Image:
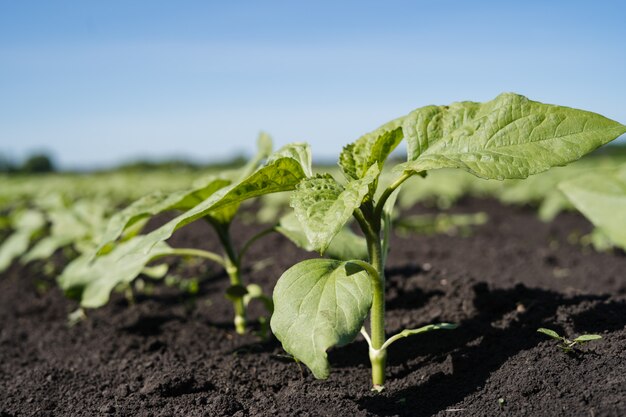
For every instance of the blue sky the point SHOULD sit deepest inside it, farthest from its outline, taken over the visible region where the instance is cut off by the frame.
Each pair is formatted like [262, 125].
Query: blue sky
[100, 82]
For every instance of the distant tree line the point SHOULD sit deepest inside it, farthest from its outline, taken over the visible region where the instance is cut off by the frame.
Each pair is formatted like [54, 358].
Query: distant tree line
[37, 163]
[40, 163]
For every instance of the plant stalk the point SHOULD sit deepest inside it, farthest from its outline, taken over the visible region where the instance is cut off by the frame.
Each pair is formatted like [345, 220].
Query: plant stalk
[378, 354]
[233, 270]
[234, 273]
[198, 253]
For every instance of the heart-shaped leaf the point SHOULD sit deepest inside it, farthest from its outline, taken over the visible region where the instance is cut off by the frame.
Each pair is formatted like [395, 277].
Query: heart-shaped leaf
[320, 303]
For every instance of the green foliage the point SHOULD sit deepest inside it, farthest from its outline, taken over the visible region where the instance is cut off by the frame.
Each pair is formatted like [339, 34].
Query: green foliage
[357, 158]
[281, 173]
[567, 345]
[601, 197]
[429, 224]
[79, 225]
[413, 332]
[323, 206]
[509, 137]
[123, 253]
[320, 303]
[345, 245]
[156, 203]
[328, 302]
[92, 280]
[26, 224]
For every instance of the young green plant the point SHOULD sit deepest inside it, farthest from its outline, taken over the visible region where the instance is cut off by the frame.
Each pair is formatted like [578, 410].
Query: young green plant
[568, 345]
[320, 303]
[123, 253]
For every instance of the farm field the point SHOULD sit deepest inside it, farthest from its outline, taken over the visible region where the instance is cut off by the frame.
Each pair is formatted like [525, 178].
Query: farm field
[262, 288]
[176, 353]
[316, 209]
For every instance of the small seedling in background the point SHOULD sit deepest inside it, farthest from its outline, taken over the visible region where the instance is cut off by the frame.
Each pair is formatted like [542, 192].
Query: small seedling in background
[568, 345]
[123, 252]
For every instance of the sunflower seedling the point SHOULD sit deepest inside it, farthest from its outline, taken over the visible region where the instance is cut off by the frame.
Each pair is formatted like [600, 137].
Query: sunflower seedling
[124, 253]
[567, 345]
[321, 303]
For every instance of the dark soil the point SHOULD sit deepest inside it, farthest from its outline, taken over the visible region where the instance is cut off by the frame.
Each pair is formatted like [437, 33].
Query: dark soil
[175, 354]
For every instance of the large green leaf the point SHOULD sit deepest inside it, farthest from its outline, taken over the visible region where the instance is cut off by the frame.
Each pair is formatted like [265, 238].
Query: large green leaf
[281, 173]
[323, 206]
[183, 200]
[146, 206]
[601, 197]
[92, 279]
[318, 304]
[156, 203]
[345, 245]
[508, 137]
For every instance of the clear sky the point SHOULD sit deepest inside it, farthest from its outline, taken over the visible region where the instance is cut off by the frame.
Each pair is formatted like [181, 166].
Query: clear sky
[99, 82]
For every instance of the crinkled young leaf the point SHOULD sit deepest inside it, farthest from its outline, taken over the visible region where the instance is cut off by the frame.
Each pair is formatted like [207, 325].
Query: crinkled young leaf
[320, 303]
[300, 152]
[254, 187]
[601, 197]
[373, 148]
[92, 279]
[279, 174]
[323, 206]
[345, 245]
[508, 137]
[26, 225]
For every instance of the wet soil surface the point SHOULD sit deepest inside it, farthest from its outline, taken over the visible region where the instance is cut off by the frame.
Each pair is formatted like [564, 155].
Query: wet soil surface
[176, 354]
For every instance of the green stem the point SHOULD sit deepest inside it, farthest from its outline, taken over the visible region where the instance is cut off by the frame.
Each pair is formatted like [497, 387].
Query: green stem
[233, 269]
[378, 354]
[234, 273]
[369, 218]
[380, 205]
[199, 253]
[253, 239]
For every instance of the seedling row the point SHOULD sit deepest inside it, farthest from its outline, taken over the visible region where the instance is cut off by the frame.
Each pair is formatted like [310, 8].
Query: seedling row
[346, 215]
